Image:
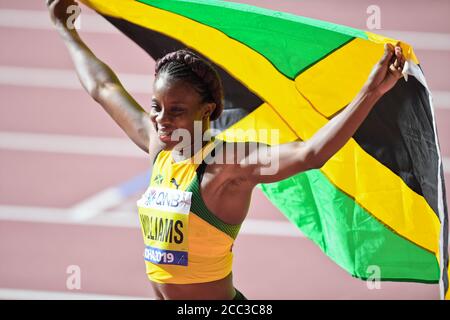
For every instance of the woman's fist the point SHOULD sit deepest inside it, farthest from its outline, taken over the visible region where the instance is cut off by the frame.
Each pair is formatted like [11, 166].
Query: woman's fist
[63, 12]
[388, 70]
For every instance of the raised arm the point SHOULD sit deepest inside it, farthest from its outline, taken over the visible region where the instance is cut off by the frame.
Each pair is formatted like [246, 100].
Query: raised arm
[300, 156]
[100, 81]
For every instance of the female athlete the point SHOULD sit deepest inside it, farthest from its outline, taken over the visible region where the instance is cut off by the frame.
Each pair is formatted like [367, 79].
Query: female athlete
[191, 213]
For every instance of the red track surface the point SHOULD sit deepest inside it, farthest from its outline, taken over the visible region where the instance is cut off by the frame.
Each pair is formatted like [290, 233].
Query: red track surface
[35, 255]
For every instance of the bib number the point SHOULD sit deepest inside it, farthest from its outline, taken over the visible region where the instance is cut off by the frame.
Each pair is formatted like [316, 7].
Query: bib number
[164, 218]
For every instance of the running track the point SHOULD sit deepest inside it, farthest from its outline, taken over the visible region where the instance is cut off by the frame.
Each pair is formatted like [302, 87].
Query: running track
[70, 179]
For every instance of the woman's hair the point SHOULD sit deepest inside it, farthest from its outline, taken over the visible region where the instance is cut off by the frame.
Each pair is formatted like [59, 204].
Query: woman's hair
[200, 74]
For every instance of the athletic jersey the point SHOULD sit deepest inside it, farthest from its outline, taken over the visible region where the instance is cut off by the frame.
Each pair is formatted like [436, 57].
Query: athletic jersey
[184, 241]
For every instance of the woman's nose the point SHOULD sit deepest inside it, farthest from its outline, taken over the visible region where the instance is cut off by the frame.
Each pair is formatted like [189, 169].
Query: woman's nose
[162, 117]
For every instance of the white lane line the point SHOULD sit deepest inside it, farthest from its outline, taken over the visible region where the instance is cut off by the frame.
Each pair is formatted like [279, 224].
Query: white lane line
[446, 164]
[70, 144]
[93, 23]
[135, 83]
[40, 20]
[127, 219]
[420, 40]
[66, 79]
[83, 145]
[441, 99]
[96, 204]
[25, 294]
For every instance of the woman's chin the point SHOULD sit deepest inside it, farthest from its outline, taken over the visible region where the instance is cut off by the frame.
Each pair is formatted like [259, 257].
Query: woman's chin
[167, 145]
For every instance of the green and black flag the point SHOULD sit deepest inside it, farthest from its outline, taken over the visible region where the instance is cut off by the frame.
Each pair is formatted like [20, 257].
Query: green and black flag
[379, 201]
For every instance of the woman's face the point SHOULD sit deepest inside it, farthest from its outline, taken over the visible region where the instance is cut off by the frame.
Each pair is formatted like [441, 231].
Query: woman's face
[176, 105]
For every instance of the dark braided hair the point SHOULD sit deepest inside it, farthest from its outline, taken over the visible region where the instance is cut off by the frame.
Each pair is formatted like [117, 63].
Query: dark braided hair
[199, 73]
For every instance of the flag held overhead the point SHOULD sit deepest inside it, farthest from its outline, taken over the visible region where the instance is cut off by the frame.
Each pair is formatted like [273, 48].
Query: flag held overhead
[380, 200]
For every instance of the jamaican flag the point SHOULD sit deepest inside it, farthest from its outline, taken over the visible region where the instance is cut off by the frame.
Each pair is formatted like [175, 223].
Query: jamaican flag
[379, 201]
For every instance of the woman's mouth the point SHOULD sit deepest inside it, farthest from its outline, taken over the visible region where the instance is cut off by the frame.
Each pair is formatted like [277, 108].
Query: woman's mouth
[164, 136]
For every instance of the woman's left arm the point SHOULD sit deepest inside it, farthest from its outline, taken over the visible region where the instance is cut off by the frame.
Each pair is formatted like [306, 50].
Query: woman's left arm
[299, 156]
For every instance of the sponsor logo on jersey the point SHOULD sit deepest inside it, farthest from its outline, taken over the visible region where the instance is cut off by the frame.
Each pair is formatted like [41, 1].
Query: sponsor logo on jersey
[165, 199]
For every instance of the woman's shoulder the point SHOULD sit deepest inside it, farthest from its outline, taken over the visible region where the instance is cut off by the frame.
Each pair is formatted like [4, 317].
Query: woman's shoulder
[235, 152]
[232, 162]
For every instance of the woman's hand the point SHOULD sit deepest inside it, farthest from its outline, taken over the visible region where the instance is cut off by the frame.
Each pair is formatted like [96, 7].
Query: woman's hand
[61, 13]
[387, 71]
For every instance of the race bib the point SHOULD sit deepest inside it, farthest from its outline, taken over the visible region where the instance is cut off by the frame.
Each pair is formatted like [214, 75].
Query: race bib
[164, 218]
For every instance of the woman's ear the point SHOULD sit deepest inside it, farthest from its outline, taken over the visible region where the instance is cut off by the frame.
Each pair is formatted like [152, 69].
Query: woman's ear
[209, 109]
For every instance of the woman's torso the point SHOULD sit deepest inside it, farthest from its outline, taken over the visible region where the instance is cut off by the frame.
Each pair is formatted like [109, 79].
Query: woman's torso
[228, 198]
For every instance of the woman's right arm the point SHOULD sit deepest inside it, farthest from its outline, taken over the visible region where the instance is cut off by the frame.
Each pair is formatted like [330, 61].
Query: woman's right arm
[100, 81]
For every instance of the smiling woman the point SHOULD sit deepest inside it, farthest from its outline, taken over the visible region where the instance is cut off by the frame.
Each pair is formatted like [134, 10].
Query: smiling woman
[186, 89]
[193, 208]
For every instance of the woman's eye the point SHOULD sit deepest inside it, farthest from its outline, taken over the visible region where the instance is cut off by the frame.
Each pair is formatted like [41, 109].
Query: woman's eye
[177, 110]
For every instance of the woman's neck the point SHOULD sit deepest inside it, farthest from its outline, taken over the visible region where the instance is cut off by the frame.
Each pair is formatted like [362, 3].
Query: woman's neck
[186, 152]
